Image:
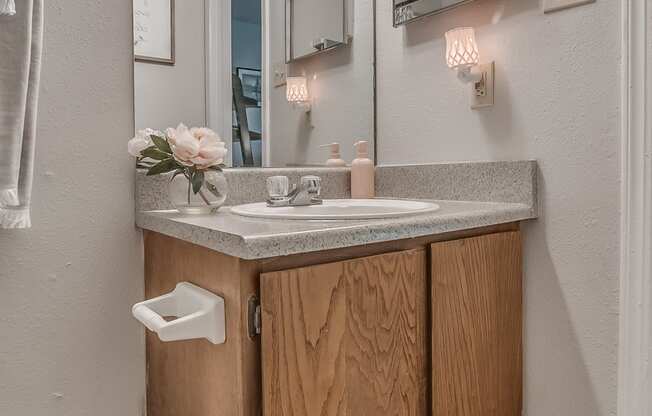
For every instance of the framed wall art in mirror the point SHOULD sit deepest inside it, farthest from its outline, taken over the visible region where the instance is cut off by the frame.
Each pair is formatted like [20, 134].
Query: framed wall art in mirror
[251, 79]
[154, 31]
[406, 11]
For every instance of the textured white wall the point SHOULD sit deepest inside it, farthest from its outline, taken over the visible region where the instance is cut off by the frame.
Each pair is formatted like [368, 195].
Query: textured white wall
[167, 95]
[558, 101]
[67, 284]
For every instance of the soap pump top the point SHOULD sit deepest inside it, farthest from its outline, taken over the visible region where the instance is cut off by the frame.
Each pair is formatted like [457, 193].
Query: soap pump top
[362, 172]
[362, 148]
[335, 158]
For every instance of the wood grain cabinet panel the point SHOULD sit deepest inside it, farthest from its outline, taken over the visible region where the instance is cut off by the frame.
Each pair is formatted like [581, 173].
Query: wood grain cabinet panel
[476, 326]
[195, 377]
[346, 338]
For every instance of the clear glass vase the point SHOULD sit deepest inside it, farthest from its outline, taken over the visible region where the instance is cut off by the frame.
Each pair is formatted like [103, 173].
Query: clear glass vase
[211, 195]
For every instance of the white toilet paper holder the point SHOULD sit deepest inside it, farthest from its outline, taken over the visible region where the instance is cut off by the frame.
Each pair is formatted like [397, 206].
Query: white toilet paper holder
[199, 314]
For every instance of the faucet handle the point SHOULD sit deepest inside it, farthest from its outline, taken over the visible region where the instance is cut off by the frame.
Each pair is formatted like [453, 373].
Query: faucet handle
[312, 184]
[278, 187]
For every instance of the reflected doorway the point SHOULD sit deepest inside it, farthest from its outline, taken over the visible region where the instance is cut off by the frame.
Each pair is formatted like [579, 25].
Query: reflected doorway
[247, 82]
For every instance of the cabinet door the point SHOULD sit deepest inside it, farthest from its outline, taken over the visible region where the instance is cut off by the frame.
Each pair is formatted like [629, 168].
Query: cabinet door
[476, 326]
[346, 338]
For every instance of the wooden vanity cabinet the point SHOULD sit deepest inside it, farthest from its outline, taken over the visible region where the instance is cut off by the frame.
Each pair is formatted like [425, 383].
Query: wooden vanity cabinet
[427, 326]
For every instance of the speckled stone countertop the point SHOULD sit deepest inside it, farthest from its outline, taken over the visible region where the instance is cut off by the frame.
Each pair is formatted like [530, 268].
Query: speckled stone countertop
[471, 195]
[251, 238]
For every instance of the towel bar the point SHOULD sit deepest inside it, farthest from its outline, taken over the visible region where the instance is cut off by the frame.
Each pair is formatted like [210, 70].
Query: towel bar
[199, 313]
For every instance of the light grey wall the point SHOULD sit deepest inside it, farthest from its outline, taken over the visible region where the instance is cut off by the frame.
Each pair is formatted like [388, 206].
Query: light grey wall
[341, 84]
[69, 346]
[167, 95]
[558, 101]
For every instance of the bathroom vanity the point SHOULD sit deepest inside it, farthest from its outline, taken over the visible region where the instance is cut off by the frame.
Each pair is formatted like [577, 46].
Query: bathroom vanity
[412, 316]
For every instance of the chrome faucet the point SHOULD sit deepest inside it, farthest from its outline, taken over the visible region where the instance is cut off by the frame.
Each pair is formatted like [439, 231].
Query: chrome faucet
[307, 192]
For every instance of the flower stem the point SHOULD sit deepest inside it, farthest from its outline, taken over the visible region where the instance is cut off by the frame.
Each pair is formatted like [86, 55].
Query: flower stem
[201, 193]
[189, 185]
[187, 175]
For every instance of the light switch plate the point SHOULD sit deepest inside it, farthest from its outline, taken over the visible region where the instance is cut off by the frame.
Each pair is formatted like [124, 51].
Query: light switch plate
[280, 74]
[486, 99]
[550, 6]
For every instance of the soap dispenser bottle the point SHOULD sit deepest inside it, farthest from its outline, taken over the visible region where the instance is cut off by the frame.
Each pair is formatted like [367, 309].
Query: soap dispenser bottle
[362, 172]
[335, 158]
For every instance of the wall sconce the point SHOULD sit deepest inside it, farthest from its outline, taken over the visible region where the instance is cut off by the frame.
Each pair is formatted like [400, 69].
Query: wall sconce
[297, 93]
[462, 55]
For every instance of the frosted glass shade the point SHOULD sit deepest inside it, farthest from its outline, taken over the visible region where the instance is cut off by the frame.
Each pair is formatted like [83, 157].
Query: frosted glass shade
[461, 48]
[297, 89]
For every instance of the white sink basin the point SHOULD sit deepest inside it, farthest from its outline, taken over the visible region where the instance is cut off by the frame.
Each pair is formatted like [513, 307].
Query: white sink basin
[339, 209]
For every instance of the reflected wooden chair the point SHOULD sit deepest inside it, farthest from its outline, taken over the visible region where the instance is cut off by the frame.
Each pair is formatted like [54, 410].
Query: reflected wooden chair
[241, 132]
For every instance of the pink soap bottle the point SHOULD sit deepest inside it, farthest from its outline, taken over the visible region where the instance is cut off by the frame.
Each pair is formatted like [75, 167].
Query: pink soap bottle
[362, 172]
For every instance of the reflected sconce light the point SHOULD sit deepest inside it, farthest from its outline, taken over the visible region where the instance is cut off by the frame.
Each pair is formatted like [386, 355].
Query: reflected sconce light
[297, 93]
[463, 56]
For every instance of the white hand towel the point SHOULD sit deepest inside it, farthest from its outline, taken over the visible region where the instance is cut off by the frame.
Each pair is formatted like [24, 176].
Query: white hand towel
[21, 40]
[7, 8]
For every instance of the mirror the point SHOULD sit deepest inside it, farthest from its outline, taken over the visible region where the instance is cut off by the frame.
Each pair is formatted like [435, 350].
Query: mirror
[406, 11]
[225, 64]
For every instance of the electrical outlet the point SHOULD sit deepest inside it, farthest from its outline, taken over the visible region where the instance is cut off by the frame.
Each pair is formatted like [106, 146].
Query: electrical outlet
[280, 74]
[482, 92]
[550, 6]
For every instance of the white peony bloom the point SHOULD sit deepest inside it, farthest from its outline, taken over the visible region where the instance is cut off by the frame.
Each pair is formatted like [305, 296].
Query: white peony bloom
[184, 145]
[139, 143]
[212, 149]
[200, 147]
[151, 132]
[171, 133]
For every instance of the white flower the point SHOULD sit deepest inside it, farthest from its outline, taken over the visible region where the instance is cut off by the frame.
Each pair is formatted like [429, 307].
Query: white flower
[151, 132]
[139, 143]
[200, 147]
[171, 133]
[212, 149]
[184, 145]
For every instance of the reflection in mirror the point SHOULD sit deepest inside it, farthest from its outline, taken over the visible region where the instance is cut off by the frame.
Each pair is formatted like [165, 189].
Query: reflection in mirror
[225, 64]
[305, 35]
[406, 11]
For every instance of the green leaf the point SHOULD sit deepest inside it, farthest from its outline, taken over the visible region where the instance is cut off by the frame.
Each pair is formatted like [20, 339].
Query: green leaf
[197, 181]
[162, 144]
[149, 148]
[154, 153]
[163, 166]
[177, 172]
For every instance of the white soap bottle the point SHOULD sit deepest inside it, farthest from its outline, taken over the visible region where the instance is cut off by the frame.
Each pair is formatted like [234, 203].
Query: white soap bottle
[335, 158]
[362, 172]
